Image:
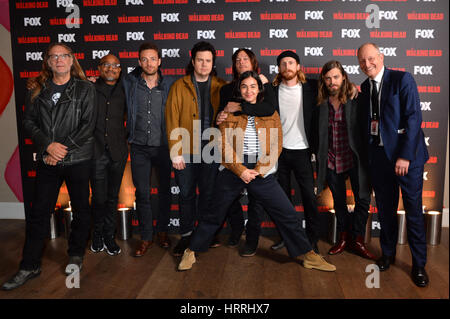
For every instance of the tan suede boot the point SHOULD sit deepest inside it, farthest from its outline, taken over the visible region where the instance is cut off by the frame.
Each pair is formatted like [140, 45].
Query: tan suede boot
[187, 260]
[315, 261]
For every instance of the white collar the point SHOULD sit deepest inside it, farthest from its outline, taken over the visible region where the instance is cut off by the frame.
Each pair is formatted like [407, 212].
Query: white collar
[379, 76]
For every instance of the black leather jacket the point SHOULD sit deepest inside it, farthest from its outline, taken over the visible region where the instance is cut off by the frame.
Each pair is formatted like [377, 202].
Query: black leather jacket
[70, 122]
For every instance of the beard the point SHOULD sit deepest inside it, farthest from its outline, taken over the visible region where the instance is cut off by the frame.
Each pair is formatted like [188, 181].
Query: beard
[333, 91]
[288, 75]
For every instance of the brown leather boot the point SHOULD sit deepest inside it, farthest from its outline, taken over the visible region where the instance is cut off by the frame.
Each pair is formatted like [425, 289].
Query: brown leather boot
[142, 248]
[340, 245]
[360, 248]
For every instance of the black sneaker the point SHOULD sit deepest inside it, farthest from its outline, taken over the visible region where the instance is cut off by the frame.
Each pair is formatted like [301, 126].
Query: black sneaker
[97, 243]
[234, 240]
[21, 277]
[181, 246]
[278, 245]
[111, 246]
[248, 250]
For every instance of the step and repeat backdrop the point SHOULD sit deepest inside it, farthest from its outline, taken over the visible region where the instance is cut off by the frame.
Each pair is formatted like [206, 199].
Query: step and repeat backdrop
[411, 34]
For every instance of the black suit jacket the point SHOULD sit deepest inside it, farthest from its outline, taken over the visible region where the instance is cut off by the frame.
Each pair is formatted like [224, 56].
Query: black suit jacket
[110, 128]
[309, 108]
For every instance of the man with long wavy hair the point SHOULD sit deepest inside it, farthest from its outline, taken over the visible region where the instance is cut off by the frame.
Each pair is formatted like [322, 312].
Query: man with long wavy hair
[340, 156]
[60, 118]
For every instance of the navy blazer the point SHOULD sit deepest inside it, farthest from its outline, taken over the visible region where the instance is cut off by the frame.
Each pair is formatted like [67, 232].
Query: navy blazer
[400, 117]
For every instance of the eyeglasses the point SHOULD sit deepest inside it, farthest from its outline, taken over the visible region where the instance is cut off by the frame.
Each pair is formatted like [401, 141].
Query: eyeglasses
[55, 57]
[112, 65]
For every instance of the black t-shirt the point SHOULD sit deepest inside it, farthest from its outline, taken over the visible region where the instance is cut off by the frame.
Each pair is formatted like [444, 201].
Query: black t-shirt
[56, 91]
[205, 111]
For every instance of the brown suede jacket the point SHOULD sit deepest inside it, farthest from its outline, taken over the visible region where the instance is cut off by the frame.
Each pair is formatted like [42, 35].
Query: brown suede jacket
[269, 134]
[182, 110]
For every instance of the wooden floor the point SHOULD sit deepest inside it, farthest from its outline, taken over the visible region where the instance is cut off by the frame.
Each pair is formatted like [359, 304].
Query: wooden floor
[220, 273]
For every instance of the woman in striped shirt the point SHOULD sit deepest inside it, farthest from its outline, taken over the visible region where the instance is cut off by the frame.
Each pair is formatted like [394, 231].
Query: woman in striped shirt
[250, 149]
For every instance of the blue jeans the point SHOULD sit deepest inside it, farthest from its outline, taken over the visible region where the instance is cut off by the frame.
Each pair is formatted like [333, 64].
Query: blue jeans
[202, 175]
[270, 194]
[142, 160]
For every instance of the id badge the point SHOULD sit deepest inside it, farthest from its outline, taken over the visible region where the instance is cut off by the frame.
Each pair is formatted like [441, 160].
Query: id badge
[374, 127]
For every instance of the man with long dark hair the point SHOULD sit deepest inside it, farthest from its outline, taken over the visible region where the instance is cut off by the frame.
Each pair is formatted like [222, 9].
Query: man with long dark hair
[340, 155]
[191, 109]
[60, 118]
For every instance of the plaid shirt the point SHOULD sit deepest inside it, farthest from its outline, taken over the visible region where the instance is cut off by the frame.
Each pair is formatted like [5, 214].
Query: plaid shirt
[340, 156]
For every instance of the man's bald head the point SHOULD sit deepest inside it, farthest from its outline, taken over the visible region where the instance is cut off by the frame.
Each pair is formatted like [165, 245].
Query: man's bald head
[109, 57]
[109, 68]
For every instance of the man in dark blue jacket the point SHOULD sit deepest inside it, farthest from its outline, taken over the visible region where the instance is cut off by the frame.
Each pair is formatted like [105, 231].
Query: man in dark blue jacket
[146, 93]
[397, 153]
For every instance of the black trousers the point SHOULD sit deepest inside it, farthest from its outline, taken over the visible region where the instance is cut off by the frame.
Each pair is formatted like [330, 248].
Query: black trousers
[349, 222]
[253, 225]
[299, 162]
[142, 160]
[106, 178]
[48, 182]
[267, 190]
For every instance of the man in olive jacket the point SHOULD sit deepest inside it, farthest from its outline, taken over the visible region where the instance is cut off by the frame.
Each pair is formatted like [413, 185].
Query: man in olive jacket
[191, 109]
[340, 155]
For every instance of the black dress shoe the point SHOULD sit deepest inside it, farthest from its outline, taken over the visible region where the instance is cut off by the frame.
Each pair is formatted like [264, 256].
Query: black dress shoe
[278, 245]
[234, 240]
[384, 262]
[21, 277]
[419, 276]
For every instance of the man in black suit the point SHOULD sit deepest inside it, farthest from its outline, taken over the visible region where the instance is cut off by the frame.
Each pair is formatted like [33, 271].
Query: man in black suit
[295, 102]
[110, 154]
[340, 156]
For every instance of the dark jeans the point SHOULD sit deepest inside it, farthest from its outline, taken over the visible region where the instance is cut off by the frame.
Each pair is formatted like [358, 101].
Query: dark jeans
[106, 178]
[48, 182]
[142, 160]
[386, 185]
[269, 193]
[202, 175]
[253, 225]
[299, 161]
[356, 221]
